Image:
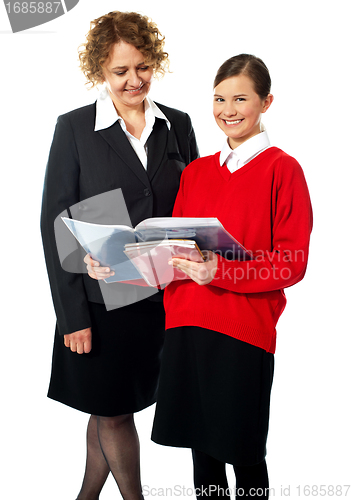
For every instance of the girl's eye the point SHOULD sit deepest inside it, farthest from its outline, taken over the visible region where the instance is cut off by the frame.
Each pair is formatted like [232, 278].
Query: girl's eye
[143, 68]
[219, 99]
[240, 99]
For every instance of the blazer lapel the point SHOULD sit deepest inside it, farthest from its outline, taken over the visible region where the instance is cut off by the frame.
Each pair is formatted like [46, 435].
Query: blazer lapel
[117, 139]
[156, 145]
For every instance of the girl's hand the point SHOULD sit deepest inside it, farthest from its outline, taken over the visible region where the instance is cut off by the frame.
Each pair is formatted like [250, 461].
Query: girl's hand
[202, 273]
[95, 270]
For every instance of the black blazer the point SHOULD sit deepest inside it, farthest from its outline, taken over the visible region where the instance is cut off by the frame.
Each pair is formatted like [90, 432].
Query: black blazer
[84, 163]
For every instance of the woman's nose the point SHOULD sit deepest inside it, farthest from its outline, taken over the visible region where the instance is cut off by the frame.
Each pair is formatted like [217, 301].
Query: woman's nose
[134, 80]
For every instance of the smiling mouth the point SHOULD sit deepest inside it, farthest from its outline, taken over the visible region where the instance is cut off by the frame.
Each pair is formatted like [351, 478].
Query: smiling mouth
[135, 91]
[233, 122]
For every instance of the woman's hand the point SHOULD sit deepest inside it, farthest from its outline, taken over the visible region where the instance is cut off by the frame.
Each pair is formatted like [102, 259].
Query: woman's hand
[202, 273]
[80, 341]
[95, 270]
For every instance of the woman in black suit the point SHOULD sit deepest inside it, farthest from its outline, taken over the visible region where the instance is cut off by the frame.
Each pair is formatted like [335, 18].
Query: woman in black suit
[127, 149]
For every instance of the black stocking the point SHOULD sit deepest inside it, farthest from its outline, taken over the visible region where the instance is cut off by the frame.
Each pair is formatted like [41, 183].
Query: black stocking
[120, 446]
[97, 469]
[210, 479]
[209, 476]
[252, 481]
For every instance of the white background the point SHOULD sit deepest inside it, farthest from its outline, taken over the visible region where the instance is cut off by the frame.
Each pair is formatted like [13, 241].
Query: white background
[307, 47]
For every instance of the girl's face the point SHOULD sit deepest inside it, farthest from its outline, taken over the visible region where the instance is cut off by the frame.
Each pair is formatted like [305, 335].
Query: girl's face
[237, 109]
[127, 77]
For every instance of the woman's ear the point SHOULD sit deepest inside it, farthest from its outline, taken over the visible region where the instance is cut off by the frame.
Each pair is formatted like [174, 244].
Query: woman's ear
[267, 102]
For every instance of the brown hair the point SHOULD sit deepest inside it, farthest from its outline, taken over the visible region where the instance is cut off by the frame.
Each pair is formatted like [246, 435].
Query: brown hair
[115, 27]
[248, 65]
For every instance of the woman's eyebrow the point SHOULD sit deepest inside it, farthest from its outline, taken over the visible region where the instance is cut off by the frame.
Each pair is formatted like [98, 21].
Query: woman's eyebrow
[124, 67]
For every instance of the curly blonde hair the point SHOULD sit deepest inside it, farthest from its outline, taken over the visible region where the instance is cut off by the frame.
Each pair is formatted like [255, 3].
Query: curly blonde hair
[129, 27]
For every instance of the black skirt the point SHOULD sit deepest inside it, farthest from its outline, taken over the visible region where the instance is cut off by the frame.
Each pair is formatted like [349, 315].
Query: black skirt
[214, 395]
[120, 375]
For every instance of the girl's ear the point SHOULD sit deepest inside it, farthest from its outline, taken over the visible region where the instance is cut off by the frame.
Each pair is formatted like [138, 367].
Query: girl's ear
[267, 102]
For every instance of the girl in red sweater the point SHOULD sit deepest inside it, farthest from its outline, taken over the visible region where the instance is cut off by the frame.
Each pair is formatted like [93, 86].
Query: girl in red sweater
[218, 358]
[218, 362]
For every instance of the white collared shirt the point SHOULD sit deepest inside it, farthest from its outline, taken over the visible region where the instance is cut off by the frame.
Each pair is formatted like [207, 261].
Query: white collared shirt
[107, 115]
[236, 158]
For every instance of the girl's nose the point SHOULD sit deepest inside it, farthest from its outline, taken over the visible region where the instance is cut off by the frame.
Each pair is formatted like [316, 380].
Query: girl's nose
[230, 110]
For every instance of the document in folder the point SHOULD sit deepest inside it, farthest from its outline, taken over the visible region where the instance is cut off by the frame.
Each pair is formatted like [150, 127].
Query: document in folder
[106, 243]
[152, 259]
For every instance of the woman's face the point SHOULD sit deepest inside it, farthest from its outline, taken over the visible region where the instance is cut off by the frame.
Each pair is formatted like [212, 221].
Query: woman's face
[127, 77]
[237, 109]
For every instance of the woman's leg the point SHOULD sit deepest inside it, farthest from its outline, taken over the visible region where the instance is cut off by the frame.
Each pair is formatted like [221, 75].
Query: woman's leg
[209, 476]
[97, 469]
[119, 443]
[252, 481]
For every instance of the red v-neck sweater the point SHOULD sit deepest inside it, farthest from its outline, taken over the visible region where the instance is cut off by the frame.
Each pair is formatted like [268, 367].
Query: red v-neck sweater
[265, 205]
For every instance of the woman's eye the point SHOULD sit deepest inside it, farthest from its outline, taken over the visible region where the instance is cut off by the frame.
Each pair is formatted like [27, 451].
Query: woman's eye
[143, 68]
[219, 99]
[240, 99]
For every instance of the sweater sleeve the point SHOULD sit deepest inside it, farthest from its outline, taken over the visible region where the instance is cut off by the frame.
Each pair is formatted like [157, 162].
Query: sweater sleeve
[284, 264]
[61, 190]
[179, 202]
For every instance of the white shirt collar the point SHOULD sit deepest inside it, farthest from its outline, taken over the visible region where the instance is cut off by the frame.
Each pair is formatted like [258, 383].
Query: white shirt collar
[106, 114]
[236, 158]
